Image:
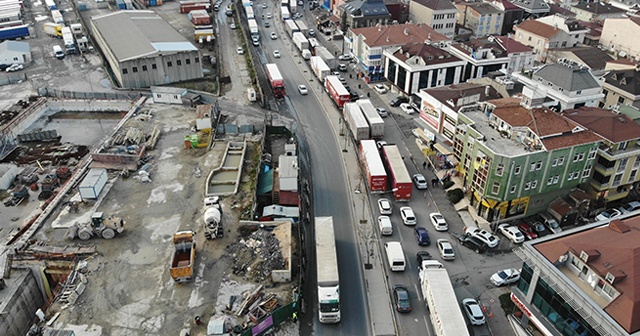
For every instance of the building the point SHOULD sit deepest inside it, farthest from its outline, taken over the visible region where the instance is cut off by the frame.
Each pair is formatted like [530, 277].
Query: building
[621, 87]
[575, 30]
[597, 11]
[622, 36]
[15, 52]
[143, 50]
[491, 54]
[582, 282]
[512, 15]
[419, 65]
[542, 36]
[363, 13]
[561, 85]
[482, 18]
[515, 160]
[532, 8]
[587, 56]
[615, 172]
[368, 44]
[439, 14]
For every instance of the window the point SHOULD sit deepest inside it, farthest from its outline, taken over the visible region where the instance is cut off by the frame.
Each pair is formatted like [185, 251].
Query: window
[561, 161]
[134, 69]
[581, 156]
[512, 189]
[495, 188]
[187, 61]
[125, 71]
[534, 184]
[550, 181]
[533, 167]
[621, 100]
[579, 92]
[197, 59]
[570, 176]
[555, 179]
[538, 165]
[169, 64]
[144, 68]
[632, 175]
[554, 162]
[179, 62]
[622, 145]
[592, 153]
[609, 290]
[153, 66]
[517, 170]
[500, 169]
[529, 38]
[527, 186]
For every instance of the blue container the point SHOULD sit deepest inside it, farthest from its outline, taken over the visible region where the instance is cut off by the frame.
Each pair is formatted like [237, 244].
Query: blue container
[152, 3]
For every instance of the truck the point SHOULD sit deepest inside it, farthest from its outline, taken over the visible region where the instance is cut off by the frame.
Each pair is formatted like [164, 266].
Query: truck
[313, 43]
[293, 6]
[320, 68]
[337, 91]
[69, 41]
[327, 271]
[373, 166]
[253, 28]
[184, 254]
[356, 121]
[284, 12]
[275, 80]
[303, 27]
[213, 218]
[401, 183]
[376, 124]
[250, 13]
[51, 4]
[53, 29]
[300, 41]
[14, 32]
[291, 27]
[438, 293]
[57, 17]
[326, 55]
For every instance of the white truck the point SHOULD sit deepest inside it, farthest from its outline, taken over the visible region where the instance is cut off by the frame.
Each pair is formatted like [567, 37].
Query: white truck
[320, 68]
[249, 11]
[326, 55]
[293, 6]
[356, 121]
[327, 271]
[300, 41]
[376, 123]
[437, 290]
[303, 27]
[291, 27]
[284, 12]
[56, 15]
[69, 41]
[253, 29]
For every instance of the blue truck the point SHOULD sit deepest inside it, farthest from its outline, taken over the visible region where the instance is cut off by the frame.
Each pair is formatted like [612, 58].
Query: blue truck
[14, 32]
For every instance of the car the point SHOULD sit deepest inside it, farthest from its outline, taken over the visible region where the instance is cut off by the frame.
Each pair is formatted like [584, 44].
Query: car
[274, 36]
[268, 15]
[550, 222]
[384, 206]
[342, 67]
[302, 89]
[382, 112]
[420, 181]
[354, 95]
[336, 73]
[240, 51]
[401, 298]
[297, 16]
[473, 243]
[395, 102]
[342, 80]
[539, 228]
[232, 25]
[474, 313]
[526, 230]
[505, 277]
[408, 217]
[438, 221]
[216, 7]
[276, 53]
[264, 5]
[4, 67]
[381, 88]
[407, 108]
[490, 239]
[255, 43]
[511, 232]
[344, 58]
[422, 236]
[630, 207]
[608, 215]
[446, 249]
[14, 67]
[312, 32]
[267, 24]
[422, 256]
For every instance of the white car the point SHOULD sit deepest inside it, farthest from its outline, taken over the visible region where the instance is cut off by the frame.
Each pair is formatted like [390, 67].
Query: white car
[264, 5]
[303, 89]
[420, 181]
[381, 88]
[14, 67]
[406, 108]
[344, 58]
[240, 51]
[511, 232]
[385, 206]
[483, 235]
[408, 217]
[446, 249]
[274, 36]
[276, 54]
[629, 207]
[312, 32]
[382, 112]
[268, 15]
[232, 25]
[438, 221]
[608, 215]
[473, 311]
[505, 277]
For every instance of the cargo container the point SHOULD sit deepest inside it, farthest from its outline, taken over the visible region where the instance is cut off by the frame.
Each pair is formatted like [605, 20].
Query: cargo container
[313, 43]
[199, 17]
[57, 16]
[300, 41]
[337, 91]
[291, 27]
[320, 68]
[284, 12]
[376, 124]
[372, 165]
[188, 6]
[284, 3]
[92, 184]
[11, 15]
[69, 41]
[400, 179]
[303, 27]
[356, 121]
[293, 6]
[326, 55]
[249, 12]
[253, 28]
[14, 32]
[52, 29]
[276, 80]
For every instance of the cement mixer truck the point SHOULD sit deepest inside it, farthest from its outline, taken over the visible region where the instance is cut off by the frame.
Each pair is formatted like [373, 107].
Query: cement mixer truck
[212, 218]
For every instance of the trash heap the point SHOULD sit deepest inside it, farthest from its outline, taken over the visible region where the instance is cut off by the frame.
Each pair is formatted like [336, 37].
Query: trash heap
[255, 256]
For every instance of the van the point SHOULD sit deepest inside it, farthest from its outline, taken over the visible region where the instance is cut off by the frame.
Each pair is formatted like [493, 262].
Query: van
[57, 51]
[384, 223]
[550, 222]
[342, 67]
[395, 256]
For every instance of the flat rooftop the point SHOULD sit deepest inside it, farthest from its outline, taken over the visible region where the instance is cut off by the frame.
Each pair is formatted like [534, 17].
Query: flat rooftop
[494, 141]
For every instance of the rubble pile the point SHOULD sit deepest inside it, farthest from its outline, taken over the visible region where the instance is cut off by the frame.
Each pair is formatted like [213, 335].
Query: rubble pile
[256, 256]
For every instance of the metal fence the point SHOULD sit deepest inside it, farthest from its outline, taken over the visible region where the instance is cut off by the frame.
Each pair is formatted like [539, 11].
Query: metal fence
[49, 92]
[13, 78]
[276, 318]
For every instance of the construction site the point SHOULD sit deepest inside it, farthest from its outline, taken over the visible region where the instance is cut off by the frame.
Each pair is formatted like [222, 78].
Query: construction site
[132, 217]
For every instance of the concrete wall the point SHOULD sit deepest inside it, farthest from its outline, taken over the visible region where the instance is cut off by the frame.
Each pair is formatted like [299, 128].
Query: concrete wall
[19, 302]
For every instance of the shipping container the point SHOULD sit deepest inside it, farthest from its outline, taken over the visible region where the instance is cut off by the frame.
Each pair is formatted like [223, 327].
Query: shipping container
[57, 16]
[293, 6]
[326, 55]
[92, 184]
[249, 11]
[320, 68]
[337, 91]
[373, 167]
[291, 27]
[284, 12]
[303, 27]
[51, 4]
[355, 120]
[376, 123]
[400, 179]
[300, 41]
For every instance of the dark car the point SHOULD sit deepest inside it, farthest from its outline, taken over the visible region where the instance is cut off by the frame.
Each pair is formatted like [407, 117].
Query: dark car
[401, 298]
[526, 230]
[354, 96]
[473, 243]
[422, 256]
[395, 102]
[422, 235]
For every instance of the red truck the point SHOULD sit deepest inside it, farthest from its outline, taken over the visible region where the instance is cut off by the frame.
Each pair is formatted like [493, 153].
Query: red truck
[187, 6]
[373, 167]
[276, 80]
[400, 179]
[336, 90]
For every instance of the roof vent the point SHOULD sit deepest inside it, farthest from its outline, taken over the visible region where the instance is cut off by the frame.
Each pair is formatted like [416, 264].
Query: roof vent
[615, 277]
[387, 38]
[406, 31]
[427, 41]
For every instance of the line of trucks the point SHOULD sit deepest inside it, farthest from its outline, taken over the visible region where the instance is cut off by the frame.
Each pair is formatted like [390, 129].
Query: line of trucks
[376, 167]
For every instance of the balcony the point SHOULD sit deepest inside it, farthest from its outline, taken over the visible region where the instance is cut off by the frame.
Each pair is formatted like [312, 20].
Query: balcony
[583, 286]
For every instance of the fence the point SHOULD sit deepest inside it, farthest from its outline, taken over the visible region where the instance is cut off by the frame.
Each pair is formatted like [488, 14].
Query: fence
[48, 92]
[13, 78]
[276, 318]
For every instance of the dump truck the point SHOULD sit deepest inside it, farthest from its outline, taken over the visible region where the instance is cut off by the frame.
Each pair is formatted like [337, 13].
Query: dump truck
[184, 255]
[106, 228]
[213, 218]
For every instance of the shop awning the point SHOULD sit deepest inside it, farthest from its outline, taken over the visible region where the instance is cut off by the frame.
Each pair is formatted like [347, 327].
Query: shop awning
[440, 148]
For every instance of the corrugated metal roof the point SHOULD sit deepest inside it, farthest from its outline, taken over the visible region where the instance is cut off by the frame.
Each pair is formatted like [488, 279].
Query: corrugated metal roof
[92, 177]
[372, 158]
[14, 46]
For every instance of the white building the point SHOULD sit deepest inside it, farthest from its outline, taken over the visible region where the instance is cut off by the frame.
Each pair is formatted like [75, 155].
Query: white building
[15, 52]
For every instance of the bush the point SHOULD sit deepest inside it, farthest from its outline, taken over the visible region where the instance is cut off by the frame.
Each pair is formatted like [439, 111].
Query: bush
[448, 184]
[455, 195]
[506, 304]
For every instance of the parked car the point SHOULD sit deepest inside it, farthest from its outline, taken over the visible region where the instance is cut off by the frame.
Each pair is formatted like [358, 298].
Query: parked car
[395, 102]
[14, 67]
[407, 108]
[420, 181]
[446, 249]
[274, 36]
[268, 15]
[473, 243]
[422, 256]
[342, 67]
[490, 239]
[381, 88]
[608, 215]
[303, 89]
[473, 311]
[630, 207]
[382, 112]
[384, 206]
[232, 25]
[344, 58]
[401, 298]
[511, 232]
[438, 221]
[422, 236]
[550, 222]
[505, 277]
[408, 217]
[526, 230]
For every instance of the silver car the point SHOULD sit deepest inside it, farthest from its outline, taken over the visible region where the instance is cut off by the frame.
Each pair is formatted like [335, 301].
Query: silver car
[446, 249]
[473, 311]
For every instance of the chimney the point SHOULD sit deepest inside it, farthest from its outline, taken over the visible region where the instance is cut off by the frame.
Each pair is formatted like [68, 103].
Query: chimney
[487, 89]
[406, 31]
[387, 38]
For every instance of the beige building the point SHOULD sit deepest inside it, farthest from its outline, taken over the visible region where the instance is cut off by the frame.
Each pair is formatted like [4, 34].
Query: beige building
[621, 87]
[622, 36]
[439, 14]
[592, 11]
[482, 18]
[542, 37]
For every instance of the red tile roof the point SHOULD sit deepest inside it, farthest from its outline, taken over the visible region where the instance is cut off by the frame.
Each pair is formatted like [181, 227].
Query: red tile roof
[437, 55]
[400, 34]
[611, 126]
[539, 28]
[511, 45]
